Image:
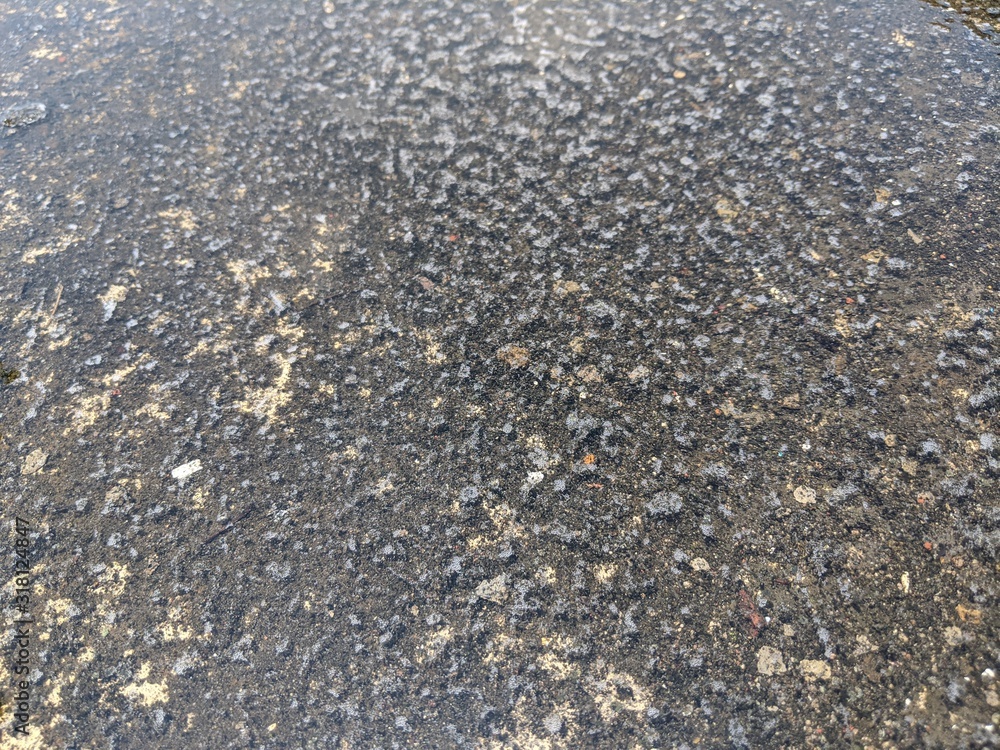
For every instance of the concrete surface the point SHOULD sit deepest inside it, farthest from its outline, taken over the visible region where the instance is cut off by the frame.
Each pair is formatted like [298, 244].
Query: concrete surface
[499, 375]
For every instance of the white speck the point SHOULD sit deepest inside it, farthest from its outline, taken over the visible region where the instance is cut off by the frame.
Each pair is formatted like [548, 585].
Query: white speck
[553, 723]
[279, 304]
[185, 470]
[533, 478]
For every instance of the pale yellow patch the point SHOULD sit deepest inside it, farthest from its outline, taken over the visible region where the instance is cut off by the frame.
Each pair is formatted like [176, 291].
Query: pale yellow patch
[726, 209]
[119, 375]
[558, 668]
[111, 585]
[563, 288]
[899, 38]
[435, 643]
[815, 669]
[498, 649]
[60, 608]
[513, 355]
[198, 499]
[239, 89]
[604, 573]
[323, 265]
[154, 410]
[841, 325]
[291, 332]
[616, 693]
[432, 347]
[116, 293]
[45, 52]
[147, 693]
[87, 412]
[58, 245]
[11, 213]
[174, 629]
[265, 402]
[247, 272]
[182, 217]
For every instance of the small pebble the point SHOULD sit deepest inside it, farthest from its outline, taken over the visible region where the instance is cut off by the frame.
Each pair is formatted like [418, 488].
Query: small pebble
[23, 114]
[185, 470]
[494, 590]
[770, 661]
[805, 495]
[815, 669]
[953, 636]
[34, 461]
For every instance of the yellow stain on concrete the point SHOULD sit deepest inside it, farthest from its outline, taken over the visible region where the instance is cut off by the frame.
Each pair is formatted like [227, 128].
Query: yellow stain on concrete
[110, 586]
[145, 692]
[11, 213]
[247, 272]
[265, 402]
[174, 629]
[60, 608]
[182, 217]
[616, 692]
[604, 573]
[45, 52]
[434, 644]
[87, 411]
[58, 245]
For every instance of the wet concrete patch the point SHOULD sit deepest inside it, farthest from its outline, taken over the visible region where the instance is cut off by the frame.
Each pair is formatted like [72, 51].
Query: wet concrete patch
[504, 376]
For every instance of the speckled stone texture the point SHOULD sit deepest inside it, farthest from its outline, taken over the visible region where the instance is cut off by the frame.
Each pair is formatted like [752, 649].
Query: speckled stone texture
[501, 374]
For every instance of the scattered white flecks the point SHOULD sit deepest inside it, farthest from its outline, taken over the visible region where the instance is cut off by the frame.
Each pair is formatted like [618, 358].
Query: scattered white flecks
[185, 470]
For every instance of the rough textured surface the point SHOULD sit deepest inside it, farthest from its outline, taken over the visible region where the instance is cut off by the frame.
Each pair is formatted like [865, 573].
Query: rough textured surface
[524, 375]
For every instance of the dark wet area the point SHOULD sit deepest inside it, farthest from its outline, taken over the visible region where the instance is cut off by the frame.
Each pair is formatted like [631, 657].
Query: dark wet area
[502, 375]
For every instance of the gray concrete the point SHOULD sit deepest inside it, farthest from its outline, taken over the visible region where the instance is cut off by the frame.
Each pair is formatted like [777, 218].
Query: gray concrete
[500, 375]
